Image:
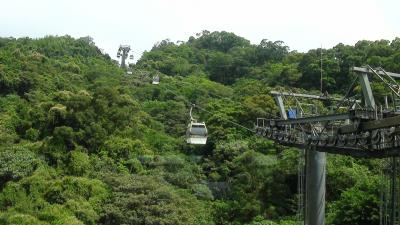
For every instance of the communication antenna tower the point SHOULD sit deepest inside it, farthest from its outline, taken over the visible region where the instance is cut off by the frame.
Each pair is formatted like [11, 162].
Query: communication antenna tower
[321, 70]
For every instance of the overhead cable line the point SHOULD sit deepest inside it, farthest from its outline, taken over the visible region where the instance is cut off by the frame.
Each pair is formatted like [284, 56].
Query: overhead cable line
[209, 112]
[202, 109]
[226, 97]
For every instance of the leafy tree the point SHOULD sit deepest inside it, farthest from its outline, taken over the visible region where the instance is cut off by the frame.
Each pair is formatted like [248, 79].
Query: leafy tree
[221, 41]
[81, 142]
[357, 205]
[147, 199]
[16, 163]
[271, 51]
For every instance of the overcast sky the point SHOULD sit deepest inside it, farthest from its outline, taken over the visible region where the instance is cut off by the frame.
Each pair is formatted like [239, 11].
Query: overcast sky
[301, 24]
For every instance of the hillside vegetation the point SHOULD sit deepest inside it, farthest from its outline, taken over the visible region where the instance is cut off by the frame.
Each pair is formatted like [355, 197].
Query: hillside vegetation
[82, 142]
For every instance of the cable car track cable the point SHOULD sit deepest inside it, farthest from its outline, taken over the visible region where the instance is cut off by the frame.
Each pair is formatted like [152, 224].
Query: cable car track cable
[202, 109]
[209, 112]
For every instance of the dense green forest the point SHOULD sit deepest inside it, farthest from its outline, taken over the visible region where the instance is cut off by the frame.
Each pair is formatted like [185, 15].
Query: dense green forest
[82, 142]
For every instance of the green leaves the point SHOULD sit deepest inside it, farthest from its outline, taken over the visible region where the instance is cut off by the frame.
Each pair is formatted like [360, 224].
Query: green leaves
[222, 41]
[80, 143]
[357, 205]
[79, 163]
[16, 163]
[45, 199]
[123, 148]
[150, 200]
[271, 51]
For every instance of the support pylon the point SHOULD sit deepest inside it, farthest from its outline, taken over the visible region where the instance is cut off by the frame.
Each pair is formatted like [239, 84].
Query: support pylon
[315, 187]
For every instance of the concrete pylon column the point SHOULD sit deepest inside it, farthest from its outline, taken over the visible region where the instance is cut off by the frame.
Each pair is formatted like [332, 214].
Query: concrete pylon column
[315, 187]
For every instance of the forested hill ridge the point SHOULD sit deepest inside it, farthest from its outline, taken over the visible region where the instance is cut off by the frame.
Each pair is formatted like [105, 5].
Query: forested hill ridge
[226, 58]
[82, 142]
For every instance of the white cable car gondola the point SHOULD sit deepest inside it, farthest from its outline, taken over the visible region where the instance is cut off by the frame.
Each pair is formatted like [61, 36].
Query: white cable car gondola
[196, 132]
[156, 80]
[129, 70]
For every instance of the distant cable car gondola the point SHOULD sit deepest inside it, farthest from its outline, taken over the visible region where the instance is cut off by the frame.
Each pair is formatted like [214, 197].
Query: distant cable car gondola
[156, 80]
[129, 71]
[196, 132]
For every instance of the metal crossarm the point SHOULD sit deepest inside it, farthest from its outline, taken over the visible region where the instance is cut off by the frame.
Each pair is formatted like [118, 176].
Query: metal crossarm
[367, 70]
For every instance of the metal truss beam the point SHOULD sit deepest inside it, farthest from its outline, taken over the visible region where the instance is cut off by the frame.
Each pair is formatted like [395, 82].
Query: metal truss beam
[367, 70]
[371, 125]
[304, 96]
[314, 119]
[382, 123]
[353, 152]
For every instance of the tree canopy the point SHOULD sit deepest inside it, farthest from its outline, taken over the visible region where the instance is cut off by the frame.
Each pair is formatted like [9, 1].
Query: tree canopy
[82, 142]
